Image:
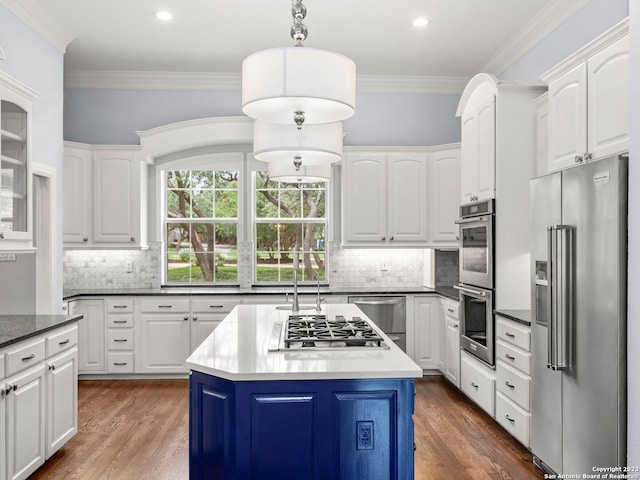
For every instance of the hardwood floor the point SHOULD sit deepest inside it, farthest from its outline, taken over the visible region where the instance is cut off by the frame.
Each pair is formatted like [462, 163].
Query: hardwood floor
[138, 429]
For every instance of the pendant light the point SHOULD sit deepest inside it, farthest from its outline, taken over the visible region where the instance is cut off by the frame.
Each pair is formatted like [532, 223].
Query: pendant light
[289, 173]
[296, 85]
[315, 144]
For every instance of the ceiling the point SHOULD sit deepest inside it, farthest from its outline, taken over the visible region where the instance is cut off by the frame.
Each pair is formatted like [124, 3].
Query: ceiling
[213, 36]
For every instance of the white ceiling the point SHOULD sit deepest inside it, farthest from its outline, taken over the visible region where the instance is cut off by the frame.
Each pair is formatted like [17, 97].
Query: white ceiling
[213, 36]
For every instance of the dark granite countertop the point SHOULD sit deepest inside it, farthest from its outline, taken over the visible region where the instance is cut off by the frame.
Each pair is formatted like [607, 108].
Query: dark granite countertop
[304, 290]
[14, 328]
[520, 316]
[448, 292]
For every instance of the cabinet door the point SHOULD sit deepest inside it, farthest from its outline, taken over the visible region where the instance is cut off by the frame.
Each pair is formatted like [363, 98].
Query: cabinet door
[91, 335]
[365, 197]
[442, 344]
[25, 414]
[407, 197]
[568, 119]
[542, 135]
[3, 420]
[469, 158]
[115, 210]
[608, 100]
[165, 343]
[202, 324]
[486, 149]
[444, 196]
[453, 351]
[426, 332]
[62, 399]
[77, 195]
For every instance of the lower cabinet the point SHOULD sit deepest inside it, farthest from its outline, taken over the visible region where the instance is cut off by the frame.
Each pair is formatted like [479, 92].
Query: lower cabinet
[479, 382]
[292, 430]
[449, 341]
[427, 313]
[62, 399]
[91, 331]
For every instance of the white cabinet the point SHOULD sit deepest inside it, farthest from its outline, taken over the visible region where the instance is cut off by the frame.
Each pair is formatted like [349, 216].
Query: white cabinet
[444, 196]
[427, 311]
[513, 380]
[120, 340]
[452, 325]
[104, 197]
[541, 104]
[62, 399]
[16, 102]
[165, 339]
[478, 381]
[206, 314]
[3, 420]
[477, 178]
[589, 102]
[385, 197]
[91, 334]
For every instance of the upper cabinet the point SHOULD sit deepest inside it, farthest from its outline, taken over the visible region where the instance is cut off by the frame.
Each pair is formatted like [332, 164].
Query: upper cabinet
[15, 164]
[589, 102]
[385, 197]
[104, 197]
[397, 197]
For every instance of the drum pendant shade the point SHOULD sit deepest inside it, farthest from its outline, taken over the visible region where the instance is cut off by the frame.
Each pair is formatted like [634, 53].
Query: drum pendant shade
[287, 173]
[278, 82]
[315, 144]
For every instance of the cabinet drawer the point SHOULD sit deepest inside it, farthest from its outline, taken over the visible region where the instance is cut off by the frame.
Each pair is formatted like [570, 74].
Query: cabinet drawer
[478, 384]
[512, 333]
[124, 320]
[24, 355]
[213, 304]
[513, 384]
[120, 339]
[59, 341]
[451, 308]
[515, 420]
[513, 356]
[166, 305]
[120, 362]
[120, 305]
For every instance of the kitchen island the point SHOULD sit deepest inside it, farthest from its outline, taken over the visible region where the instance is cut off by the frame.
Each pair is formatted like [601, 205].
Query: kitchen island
[259, 410]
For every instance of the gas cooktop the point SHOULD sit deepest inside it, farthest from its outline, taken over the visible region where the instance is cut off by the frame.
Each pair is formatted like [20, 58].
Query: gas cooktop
[317, 332]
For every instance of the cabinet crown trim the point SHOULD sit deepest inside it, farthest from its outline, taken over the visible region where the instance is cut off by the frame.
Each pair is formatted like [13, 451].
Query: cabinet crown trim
[583, 54]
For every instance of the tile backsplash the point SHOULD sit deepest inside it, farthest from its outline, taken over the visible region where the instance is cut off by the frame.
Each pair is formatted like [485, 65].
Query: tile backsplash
[370, 267]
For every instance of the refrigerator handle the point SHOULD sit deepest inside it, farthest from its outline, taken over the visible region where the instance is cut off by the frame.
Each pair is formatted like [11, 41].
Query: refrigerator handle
[560, 291]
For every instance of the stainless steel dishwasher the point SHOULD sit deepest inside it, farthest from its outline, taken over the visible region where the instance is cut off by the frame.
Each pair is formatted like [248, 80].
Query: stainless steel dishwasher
[388, 313]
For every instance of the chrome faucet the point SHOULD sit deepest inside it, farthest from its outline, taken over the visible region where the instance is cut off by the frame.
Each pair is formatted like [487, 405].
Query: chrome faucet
[296, 306]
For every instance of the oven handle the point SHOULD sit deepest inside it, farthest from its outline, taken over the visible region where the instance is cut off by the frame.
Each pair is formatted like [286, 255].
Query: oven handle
[471, 219]
[393, 301]
[470, 290]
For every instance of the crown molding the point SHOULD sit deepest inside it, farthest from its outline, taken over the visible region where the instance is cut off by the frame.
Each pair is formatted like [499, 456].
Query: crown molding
[137, 80]
[41, 21]
[545, 22]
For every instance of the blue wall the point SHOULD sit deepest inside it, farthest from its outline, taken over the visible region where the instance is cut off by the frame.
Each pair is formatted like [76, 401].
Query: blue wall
[100, 116]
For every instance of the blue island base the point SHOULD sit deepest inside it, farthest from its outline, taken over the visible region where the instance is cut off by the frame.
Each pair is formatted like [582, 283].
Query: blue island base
[308, 429]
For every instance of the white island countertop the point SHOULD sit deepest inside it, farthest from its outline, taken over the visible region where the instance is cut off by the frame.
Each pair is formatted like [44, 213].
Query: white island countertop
[238, 349]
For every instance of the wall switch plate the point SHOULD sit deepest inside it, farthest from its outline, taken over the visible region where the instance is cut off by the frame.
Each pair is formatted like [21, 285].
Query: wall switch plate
[129, 267]
[364, 435]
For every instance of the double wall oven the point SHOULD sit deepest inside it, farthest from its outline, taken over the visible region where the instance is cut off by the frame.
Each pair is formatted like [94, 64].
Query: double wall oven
[476, 288]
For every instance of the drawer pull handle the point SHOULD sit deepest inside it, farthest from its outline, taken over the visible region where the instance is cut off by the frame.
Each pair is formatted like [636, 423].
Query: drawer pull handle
[120, 306]
[28, 357]
[474, 385]
[509, 357]
[195, 318]
[119, 321]
[216, 306]
[120, 340]
[512, 420]
[64, 342]
[450, 310]
[165, 306]
[511, 386]
[52, 366]
[509, 334]
[119, 364]
[186, 318]
[456, 326]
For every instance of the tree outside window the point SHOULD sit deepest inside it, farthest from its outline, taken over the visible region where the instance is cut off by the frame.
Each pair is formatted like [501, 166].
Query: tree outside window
[290, 230]
[201, 226]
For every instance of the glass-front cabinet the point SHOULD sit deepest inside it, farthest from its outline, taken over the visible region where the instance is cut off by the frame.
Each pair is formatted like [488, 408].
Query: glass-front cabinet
[15, 168]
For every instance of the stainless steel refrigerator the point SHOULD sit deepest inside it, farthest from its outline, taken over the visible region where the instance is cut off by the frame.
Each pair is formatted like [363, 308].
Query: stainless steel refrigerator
[579, 284]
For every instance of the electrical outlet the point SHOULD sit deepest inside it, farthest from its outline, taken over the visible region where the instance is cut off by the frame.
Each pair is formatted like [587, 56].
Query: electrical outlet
[129, 267]
[364, 435]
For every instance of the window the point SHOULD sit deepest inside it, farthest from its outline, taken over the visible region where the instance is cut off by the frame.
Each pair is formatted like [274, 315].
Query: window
[201, 226]
[290, 226]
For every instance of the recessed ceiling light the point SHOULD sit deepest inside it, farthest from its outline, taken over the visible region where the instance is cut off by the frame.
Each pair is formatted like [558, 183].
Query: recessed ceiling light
[163, 15]
[420, 22]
